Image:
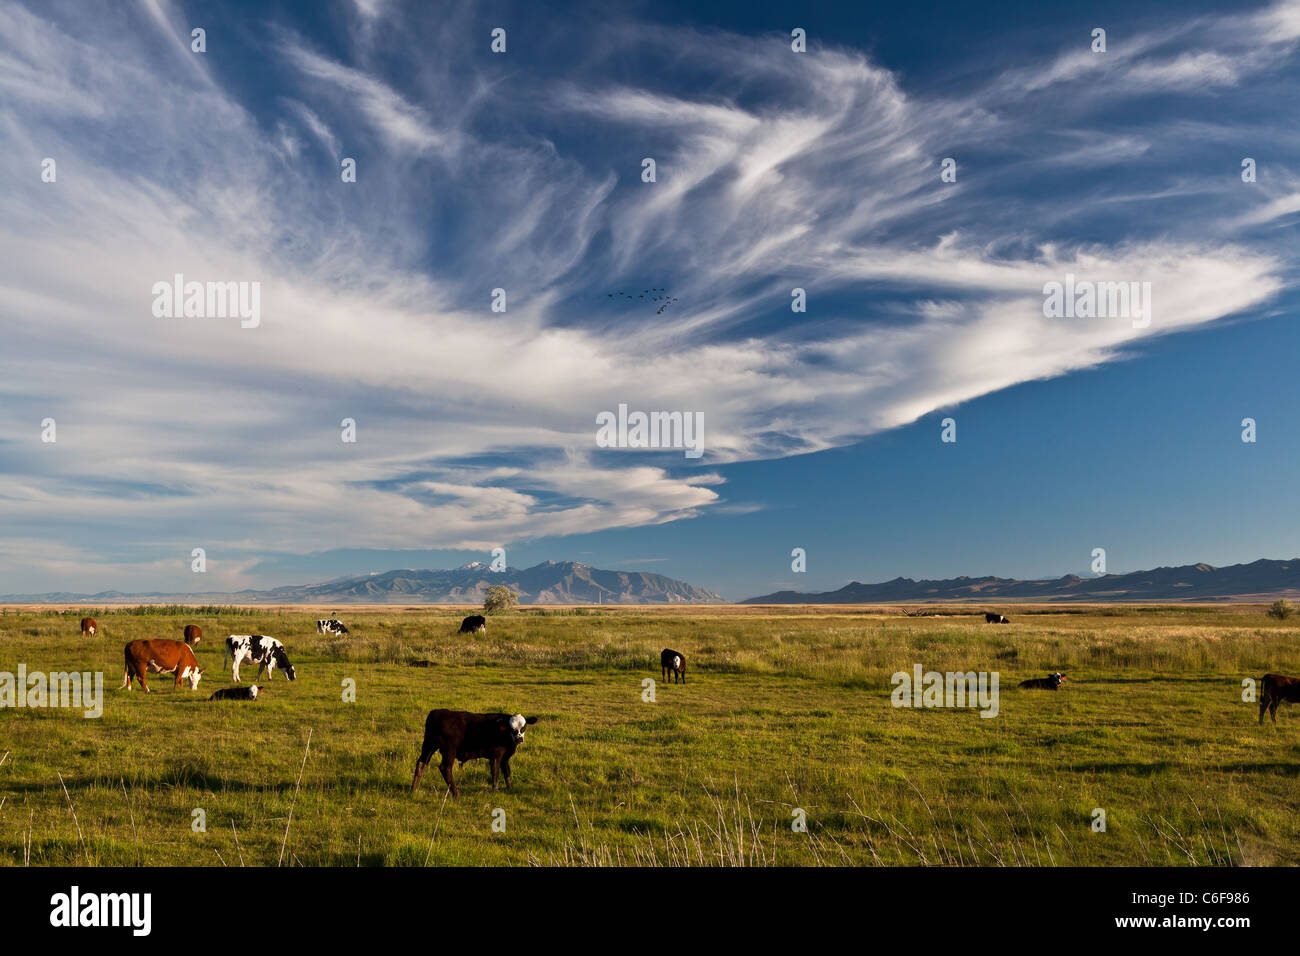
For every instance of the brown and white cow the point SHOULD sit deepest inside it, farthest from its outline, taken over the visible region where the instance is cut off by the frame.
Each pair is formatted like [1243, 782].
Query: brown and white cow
[193, 634]
[161, 657]
[88, 626]
[1277, 689]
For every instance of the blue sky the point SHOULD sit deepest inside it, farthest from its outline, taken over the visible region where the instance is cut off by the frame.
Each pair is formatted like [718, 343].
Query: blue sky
[522, 171]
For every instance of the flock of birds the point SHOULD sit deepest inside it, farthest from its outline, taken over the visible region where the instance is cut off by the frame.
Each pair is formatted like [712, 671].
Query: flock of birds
[654, 295]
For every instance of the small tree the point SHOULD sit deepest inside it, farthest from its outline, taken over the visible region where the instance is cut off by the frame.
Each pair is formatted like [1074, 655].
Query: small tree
[499, 598]
[1281, 609]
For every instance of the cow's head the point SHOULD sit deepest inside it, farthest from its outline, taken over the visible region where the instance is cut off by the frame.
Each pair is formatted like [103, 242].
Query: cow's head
[514, 727]
[1058, 679]
[254, 691]
[192, 675]
[282, 661]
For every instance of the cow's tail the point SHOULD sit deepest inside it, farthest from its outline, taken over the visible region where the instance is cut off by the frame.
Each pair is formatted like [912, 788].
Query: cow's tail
[427, 750]
[225, 653]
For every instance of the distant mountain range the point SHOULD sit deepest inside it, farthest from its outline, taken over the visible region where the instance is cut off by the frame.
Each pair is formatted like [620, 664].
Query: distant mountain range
[568, 582]
[1193, 582]
[551, 582]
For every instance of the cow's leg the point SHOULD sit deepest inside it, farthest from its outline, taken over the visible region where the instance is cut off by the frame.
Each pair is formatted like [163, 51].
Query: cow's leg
[1272, 709]
[426, 754]
[445, 767]
[1263, 706]
[496, 766]
[126, 684]
[683, 677]
[234, 670]
[505, 771]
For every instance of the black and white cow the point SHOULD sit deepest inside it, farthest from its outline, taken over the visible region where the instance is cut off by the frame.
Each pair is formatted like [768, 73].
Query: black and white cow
[673, 665]
[266, 652]
[237, 693]
[330, 626]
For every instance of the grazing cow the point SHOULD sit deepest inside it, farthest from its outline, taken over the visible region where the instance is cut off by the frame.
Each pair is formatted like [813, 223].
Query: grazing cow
[673, 662]
[991, 618]
[462, 736]
[237, 693]
[330, 626]
[161, 657]
[1276, 690]
[1044, 683]
[193, 634]
[266, 652]
[88, 626]
[473, 623]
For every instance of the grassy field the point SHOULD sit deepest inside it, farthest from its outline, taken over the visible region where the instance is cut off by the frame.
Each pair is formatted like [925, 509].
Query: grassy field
[786, 708]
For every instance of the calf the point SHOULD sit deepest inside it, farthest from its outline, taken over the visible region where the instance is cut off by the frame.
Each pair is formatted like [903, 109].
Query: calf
[266, 652]
[161, 657]
[473, 623]
[990, 618]
[1044, 683]
[330, 626]
[88, 626]
[237, 693]
[1277, 689]
[193, 634]
[672, 662]
[462, 736]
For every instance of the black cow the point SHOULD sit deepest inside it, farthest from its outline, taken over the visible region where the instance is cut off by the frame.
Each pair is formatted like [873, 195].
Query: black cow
[462, 736]
[991, 618]
[1044, 683]
[673, 662]
[475, 622]
[1277, 689]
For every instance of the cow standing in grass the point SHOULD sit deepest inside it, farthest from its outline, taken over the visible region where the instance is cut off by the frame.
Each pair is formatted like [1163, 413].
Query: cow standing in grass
[461, 736]
[474, 624]
[991, 618]
[266, 652]
[88, 627]
[674, 663]
[161, 657]
[193, 634]
[1276, 690]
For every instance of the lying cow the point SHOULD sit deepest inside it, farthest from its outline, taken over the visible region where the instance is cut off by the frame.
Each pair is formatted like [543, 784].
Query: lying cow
[330, 626]
[237, 693]
[474, 623]
[674, 663]
[462, 736]
[1276, 690]
[266, 652]
[1044, 683]
[193, 634]
[88, 626]
[161, 657]
[990, 618]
